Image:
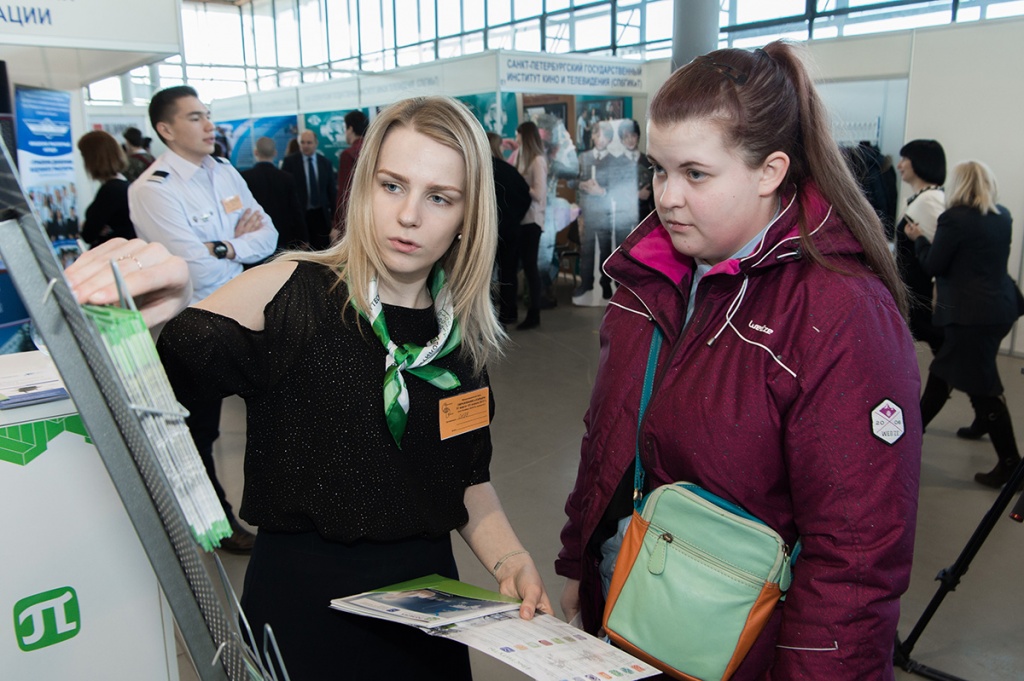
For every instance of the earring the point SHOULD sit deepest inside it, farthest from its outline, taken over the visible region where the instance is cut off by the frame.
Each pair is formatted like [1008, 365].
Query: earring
[458, 236]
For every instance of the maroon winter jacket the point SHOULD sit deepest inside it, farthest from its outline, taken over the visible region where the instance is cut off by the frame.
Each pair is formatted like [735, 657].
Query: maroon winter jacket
[793, 392]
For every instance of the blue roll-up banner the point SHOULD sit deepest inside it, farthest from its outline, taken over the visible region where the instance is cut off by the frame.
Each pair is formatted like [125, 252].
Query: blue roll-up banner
[45, 159]
[46, 166]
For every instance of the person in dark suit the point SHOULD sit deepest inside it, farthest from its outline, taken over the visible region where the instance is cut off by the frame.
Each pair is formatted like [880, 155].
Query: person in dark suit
[512, 195]
[312, 169]
[977, 304]
[275, 191]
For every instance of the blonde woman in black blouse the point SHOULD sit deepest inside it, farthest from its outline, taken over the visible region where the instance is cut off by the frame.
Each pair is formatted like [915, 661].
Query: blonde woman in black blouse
[346, 359]
[976, 306]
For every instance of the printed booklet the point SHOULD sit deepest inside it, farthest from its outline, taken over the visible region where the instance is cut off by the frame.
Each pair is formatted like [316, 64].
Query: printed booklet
[545, 648]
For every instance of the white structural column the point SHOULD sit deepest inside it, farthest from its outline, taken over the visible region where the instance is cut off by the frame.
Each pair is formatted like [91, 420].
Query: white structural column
[695, 31]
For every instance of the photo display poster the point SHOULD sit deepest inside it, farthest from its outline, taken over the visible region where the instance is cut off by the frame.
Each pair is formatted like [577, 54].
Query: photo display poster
[46, 164]
[329, 127]
[234, 139]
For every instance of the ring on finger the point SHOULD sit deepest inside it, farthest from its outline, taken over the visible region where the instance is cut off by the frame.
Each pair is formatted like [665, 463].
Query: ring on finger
[131, 256]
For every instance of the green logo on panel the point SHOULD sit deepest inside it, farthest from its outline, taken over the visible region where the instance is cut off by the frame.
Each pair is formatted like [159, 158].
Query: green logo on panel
[46, 619]
[21, 443]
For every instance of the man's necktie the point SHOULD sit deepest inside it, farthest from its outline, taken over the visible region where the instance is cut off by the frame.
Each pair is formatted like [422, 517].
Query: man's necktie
[314, 195]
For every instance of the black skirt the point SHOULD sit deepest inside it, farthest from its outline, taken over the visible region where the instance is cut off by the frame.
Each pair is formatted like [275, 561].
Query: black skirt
[967, 358]
[291, 580]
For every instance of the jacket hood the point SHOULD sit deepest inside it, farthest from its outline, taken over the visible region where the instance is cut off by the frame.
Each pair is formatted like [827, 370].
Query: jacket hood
[647, 261]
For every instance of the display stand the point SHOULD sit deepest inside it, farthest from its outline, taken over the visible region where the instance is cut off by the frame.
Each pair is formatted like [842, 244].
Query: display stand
[76, 580]
[949, 578]
[207, 631]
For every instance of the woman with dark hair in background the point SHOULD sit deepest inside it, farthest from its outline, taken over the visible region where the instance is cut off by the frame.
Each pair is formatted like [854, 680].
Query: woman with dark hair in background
[291, 148]
[532, 164]
[107, 215]
[976, 307]
[787, 382]
[922, 165]
[137, 149]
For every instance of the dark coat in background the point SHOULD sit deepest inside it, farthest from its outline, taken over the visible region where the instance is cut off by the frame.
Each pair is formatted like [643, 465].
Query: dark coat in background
[512, 196]
[320, 219]
[107, 215]
[511, 193]
[977, 302]
[968, 260]
[275, 191]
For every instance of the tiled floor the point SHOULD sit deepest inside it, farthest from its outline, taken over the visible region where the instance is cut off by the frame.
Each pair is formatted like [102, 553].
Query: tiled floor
[542, 389]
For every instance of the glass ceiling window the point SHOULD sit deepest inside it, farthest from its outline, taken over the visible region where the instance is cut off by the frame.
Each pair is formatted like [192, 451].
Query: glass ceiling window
[266, 44]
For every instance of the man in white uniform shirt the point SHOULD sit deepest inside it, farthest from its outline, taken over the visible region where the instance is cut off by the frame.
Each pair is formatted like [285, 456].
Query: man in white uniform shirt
[201, 209]
[198, 206]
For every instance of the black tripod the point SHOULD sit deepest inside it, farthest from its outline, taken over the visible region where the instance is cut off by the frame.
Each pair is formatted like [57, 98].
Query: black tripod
[949, 577]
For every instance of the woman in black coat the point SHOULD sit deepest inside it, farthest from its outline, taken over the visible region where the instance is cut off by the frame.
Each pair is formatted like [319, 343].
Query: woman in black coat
[107, 215]
[976, 305]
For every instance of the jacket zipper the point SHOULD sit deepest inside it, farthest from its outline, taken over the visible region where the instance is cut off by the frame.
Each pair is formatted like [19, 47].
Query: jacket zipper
[659, 372]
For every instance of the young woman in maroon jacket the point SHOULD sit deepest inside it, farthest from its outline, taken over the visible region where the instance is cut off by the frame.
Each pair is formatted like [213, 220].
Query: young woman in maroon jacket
[787, 382]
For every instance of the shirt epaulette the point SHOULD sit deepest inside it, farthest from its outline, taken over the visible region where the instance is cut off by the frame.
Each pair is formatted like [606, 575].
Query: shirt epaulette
[159, 176]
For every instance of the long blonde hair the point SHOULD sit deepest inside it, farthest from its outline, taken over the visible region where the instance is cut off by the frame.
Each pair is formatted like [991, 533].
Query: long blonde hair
[974, 185]
[468, 263]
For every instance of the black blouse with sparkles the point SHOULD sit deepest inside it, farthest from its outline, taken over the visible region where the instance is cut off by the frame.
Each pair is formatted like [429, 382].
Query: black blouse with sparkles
[319, 456]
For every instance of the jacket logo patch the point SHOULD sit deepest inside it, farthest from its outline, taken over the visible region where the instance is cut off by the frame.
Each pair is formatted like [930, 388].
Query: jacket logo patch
[887, 422]
[760, 327]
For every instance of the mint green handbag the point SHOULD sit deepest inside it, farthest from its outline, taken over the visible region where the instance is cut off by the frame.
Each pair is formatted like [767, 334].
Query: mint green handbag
[696, 579]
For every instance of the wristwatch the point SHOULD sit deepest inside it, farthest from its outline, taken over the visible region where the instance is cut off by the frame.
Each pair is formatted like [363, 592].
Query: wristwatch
[220, 249]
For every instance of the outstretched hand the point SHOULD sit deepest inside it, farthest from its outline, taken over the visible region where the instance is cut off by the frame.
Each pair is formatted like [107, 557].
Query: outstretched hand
[158, 281]
[518, 577]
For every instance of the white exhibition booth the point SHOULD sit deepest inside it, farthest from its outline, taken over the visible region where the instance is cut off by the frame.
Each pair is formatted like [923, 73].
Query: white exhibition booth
[956, 83]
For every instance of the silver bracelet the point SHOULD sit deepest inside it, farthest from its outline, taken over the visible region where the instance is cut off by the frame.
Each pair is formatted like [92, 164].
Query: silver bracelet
[501, 561]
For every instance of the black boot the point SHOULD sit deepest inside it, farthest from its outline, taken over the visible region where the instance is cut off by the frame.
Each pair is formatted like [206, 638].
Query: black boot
[936, 393]
[977, 430]
[993, 411]
[532, 320]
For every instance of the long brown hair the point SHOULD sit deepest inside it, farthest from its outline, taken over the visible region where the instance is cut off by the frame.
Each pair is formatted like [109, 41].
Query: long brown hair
[530, 146]
[102, 155]
[764, 101]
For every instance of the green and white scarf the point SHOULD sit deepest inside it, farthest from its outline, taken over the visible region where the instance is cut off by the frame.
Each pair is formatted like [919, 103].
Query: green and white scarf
[413, 358]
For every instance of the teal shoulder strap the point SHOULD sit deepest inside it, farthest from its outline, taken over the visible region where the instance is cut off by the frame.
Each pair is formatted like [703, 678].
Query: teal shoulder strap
[645, 397]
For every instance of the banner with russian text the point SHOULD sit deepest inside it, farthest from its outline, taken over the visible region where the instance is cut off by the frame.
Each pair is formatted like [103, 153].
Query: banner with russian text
[46, 164]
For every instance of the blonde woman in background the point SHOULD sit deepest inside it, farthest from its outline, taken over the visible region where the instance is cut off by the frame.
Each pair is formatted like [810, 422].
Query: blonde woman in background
[976, 305]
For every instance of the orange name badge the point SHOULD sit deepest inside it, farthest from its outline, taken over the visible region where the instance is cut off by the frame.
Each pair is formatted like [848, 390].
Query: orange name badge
[232, 203]
[465, 412]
